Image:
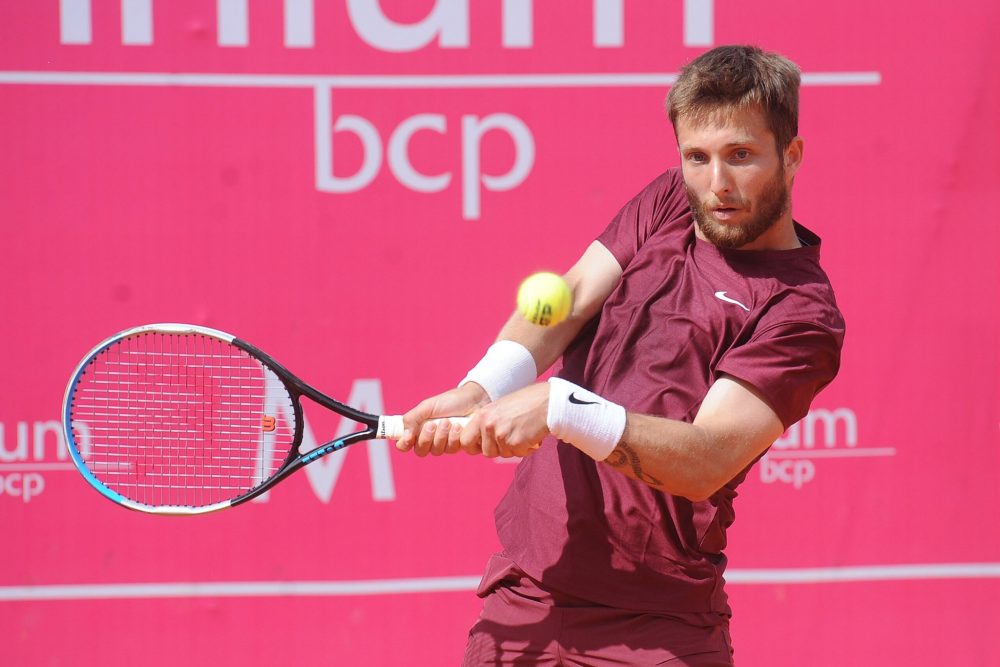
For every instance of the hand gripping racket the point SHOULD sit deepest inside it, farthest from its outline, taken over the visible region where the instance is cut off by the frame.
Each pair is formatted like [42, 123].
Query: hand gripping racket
[182, 419]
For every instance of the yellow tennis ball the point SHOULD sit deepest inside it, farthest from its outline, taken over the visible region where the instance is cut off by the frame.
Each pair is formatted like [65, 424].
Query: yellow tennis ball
[544, 299]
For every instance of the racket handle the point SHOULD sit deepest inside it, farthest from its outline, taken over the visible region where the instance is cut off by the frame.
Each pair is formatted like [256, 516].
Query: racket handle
[390, 427]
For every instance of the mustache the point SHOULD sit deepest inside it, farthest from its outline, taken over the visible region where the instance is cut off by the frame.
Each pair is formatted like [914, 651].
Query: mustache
[714, 202]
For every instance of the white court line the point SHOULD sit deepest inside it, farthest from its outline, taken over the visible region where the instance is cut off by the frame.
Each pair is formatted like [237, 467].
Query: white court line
[825, 575]
[240, 589]
[623, 80]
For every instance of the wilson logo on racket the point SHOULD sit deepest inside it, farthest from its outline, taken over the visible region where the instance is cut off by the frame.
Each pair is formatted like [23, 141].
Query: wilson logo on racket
[267, 423]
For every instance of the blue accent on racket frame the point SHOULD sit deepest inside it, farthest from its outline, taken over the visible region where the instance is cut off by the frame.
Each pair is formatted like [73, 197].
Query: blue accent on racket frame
[73, 448]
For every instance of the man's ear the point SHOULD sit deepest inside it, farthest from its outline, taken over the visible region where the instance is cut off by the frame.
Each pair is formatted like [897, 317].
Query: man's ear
[793, 156]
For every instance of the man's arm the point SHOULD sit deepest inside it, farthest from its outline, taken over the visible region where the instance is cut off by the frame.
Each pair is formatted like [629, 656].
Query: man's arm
[732, 428]
[591, 279]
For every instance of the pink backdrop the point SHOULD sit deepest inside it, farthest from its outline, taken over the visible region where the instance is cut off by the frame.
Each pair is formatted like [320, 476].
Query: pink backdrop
[357, 187]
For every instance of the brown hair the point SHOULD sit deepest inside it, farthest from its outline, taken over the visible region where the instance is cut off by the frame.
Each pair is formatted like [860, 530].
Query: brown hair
[739, 77]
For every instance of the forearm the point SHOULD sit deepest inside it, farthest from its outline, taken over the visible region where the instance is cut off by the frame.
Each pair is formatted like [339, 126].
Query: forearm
[668, 455]
[734, 425]
[546, 344]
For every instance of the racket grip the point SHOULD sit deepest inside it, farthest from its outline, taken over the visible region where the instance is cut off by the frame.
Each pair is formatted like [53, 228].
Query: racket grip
[390, 427]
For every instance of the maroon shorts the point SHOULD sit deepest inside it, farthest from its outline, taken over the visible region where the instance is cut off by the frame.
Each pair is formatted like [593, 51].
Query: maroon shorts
[523, 624]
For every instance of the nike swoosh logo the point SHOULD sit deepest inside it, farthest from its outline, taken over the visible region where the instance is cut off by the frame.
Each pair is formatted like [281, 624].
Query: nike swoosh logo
[574, 399]
[722, 297]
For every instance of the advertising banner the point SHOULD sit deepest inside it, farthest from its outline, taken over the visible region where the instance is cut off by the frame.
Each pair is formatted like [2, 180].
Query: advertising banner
[358, 187]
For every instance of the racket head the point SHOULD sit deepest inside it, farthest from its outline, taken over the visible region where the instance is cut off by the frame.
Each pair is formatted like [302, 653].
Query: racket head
[180, 419]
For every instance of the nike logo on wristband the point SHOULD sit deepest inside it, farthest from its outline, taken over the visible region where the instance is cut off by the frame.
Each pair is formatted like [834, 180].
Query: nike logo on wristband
[574, 399]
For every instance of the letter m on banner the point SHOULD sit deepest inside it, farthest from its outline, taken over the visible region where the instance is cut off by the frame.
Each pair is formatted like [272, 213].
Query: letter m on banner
[366, 395]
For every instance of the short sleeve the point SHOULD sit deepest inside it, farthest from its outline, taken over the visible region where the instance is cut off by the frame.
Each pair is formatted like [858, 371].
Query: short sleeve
[788, 364]
[662, 201]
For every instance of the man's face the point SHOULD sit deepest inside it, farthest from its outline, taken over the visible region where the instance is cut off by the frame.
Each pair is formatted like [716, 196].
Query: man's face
[736, 182]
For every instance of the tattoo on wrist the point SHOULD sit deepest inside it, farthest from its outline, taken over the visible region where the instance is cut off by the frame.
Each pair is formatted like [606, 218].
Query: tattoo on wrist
[623, 456]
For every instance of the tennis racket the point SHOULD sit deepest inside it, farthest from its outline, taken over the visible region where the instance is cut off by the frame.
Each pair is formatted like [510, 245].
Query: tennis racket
[182, 419]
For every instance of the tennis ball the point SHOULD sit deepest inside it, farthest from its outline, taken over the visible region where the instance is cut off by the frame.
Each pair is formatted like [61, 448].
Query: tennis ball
[544, 299]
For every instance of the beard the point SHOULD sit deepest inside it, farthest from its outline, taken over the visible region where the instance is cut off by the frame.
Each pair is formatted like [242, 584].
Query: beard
[764, 213]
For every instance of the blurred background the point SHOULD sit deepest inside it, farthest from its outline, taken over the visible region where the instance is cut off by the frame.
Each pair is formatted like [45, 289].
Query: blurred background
[358, 187]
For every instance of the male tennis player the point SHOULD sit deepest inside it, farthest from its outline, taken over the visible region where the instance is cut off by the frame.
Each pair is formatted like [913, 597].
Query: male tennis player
[702, 328]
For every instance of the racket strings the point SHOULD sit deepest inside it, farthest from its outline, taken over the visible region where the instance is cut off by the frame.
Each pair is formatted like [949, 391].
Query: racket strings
[181, 419]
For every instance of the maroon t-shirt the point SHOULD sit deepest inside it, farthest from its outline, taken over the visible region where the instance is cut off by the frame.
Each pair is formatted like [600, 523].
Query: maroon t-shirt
[684, 313]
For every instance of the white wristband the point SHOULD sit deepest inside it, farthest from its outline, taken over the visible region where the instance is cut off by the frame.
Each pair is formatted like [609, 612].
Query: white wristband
[583, 419]
[506, 367]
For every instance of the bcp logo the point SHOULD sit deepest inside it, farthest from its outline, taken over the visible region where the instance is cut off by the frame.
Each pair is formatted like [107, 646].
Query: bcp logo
[396, 149]
[822, 434]
[24, 460]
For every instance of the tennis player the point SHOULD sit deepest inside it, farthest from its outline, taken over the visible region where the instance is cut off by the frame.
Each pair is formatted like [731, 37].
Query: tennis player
[702, 328]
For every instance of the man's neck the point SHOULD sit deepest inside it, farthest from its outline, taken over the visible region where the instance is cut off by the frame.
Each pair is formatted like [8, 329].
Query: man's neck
[781, 236]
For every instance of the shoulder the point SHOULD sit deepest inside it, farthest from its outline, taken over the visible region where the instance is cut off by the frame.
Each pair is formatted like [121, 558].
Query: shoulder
[793, 348]
[810, 302]
[787, 285]
[660, 206]
[667, 189]
[807, 295]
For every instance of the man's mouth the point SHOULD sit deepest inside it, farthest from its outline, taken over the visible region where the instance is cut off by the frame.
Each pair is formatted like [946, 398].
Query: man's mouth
[725, 212]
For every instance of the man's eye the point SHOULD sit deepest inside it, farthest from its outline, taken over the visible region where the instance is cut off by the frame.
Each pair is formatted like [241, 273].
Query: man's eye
[741, 154]
[696, 157]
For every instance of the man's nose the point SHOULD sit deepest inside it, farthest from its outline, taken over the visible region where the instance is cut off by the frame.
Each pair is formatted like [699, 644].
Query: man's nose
[722, 181]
